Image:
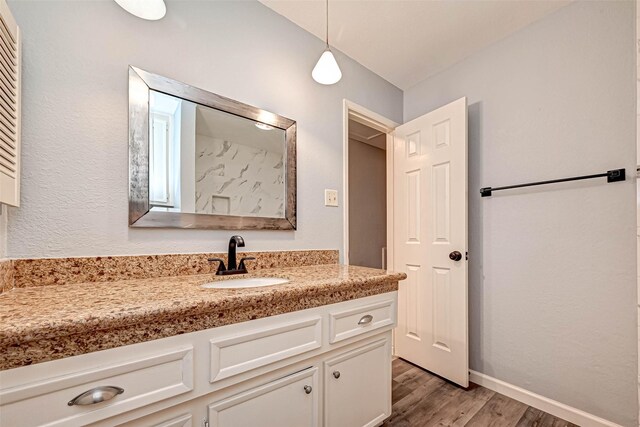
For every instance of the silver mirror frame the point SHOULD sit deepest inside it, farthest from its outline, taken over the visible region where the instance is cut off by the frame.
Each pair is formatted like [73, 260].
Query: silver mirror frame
[140, 84]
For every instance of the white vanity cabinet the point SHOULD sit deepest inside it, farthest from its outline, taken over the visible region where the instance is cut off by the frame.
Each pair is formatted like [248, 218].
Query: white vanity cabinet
[325, 366]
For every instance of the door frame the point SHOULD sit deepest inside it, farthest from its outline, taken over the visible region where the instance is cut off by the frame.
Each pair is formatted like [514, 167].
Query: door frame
[351, 110]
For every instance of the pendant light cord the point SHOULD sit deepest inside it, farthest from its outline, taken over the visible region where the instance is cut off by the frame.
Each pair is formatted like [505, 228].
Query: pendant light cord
[327, 34]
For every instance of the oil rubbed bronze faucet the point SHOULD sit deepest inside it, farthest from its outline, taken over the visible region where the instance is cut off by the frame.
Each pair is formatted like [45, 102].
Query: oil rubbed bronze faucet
[235, 241]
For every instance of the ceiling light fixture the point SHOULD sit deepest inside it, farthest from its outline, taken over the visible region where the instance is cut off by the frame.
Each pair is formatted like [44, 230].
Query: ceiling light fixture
[151, 10]
[327, 71]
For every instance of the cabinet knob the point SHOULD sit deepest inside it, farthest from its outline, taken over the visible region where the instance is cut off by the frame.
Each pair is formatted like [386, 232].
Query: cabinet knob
[96, 395]
[336, 374]
[308, 389]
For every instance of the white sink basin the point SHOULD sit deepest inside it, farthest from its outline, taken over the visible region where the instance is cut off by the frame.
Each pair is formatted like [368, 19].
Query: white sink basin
[251, 282]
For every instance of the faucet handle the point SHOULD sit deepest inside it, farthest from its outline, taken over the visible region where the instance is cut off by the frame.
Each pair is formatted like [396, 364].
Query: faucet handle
[241, 266]
[221, 266]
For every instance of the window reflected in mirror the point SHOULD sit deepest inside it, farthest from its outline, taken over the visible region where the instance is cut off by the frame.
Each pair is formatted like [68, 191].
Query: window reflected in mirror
[207, 161]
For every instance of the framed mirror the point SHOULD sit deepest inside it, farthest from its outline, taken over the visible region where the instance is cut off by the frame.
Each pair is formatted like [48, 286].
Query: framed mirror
[200, 160]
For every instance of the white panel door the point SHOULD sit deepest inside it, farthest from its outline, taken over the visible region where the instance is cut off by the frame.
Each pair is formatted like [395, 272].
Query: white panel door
[430, 241]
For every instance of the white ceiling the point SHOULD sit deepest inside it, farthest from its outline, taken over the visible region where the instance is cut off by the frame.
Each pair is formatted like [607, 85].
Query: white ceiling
[218, 124]
[406, 41]
[364, 133]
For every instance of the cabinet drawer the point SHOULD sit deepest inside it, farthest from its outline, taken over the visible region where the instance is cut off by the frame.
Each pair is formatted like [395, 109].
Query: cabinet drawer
[254, 347]
[143, 381]
[288, 401]
[360, 320]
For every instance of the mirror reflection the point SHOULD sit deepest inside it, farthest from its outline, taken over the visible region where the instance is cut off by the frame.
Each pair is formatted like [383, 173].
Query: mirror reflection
[207, 161]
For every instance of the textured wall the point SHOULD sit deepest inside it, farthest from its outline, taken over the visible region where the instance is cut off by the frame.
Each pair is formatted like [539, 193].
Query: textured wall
[3, 231]
[76, 53]
[237, 179]
[552, 279]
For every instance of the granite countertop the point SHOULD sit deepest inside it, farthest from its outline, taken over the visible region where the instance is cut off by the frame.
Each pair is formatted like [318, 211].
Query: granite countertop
[44, 323]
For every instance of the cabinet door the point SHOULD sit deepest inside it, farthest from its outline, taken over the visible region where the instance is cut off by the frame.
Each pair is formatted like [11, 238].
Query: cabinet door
[288, 401]
[357, 386]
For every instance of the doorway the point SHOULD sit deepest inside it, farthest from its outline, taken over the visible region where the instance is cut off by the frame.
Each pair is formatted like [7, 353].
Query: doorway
[368, 187]
[367, 196]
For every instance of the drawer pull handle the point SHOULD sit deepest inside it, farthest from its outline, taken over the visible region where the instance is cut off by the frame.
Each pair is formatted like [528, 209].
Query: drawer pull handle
[336, 374]
[308, 389]
[96, 395]
[365, 320]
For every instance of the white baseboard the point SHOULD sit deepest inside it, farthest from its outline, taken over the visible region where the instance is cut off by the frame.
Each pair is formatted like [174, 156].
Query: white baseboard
[560, 410]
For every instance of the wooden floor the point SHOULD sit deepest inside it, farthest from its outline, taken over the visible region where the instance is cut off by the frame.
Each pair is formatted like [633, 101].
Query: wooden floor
[423, 399]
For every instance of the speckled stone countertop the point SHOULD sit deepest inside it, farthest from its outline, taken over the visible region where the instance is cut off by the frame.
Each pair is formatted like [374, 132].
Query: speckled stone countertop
[44, 323]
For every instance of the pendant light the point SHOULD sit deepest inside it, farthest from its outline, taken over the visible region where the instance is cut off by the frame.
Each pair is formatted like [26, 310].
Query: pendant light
[326, 71]
[151, 10]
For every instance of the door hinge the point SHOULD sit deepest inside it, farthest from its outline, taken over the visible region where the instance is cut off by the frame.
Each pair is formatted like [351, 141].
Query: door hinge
[466, 256]
[205, 423]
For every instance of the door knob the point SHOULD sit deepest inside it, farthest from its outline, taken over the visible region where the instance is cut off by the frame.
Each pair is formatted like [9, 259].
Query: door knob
[308, 389]
[455, 256]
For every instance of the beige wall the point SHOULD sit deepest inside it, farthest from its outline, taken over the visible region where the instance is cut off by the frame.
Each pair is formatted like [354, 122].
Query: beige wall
[367, 204]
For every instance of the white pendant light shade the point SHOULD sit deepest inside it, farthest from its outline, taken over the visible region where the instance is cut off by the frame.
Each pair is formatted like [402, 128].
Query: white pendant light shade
[151, 10]
[326, 70]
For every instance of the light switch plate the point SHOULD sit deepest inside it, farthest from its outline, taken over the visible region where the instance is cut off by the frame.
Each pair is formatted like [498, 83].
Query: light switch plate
[330, 197]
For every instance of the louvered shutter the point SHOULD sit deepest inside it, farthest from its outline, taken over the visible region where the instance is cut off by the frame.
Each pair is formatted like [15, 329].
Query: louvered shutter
[10, 63]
